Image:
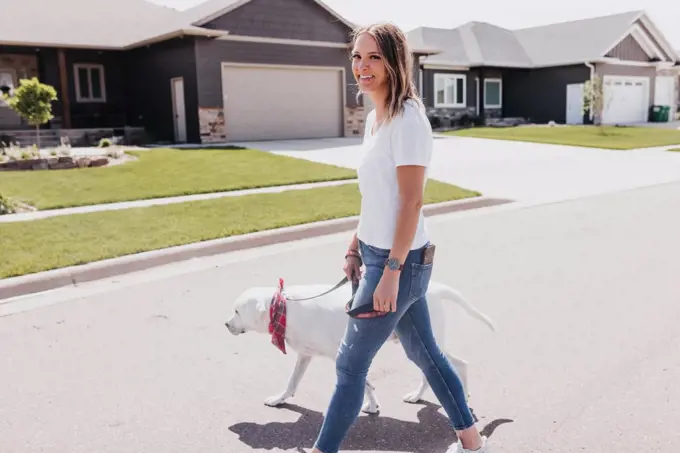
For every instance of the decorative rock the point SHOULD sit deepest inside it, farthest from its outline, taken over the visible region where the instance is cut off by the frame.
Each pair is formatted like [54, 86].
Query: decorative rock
[53, 163]
[27, 164]
[9, 165]
[63, 163]
[41, 164]
[99, 162]
[83, 162]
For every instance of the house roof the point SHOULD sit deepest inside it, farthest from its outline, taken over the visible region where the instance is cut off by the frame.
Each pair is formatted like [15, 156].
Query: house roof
[575, 41]
[211, 9]
[479, 43]
[115, 24]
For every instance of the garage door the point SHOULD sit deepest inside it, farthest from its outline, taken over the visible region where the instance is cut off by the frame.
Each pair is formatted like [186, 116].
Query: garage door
[277, 103]
[626, 99]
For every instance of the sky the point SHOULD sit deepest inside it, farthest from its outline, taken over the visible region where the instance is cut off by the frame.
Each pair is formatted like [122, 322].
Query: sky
[409, 14]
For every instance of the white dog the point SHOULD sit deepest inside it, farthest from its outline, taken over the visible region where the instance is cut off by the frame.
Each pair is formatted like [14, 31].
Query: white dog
[315, 327]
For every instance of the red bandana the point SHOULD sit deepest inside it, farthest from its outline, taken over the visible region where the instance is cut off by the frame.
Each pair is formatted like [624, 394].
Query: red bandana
[277, 318]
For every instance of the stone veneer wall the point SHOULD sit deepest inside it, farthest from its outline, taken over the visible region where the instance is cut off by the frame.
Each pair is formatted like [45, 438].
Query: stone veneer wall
[211, 125]
[21, 66]
[213, 128]
[355, 121]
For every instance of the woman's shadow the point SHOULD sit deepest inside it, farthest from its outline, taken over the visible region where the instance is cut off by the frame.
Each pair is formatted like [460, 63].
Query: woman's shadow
[432, 433]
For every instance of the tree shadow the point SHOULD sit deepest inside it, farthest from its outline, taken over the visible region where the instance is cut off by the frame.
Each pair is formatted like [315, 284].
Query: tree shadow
[432, 433]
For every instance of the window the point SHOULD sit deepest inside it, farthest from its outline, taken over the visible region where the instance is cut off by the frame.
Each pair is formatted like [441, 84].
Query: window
[493, 93]
[449, 90]
[89, 79]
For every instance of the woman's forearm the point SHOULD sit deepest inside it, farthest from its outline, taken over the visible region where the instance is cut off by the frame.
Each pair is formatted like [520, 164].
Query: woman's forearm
[407, 224]
[354, 242]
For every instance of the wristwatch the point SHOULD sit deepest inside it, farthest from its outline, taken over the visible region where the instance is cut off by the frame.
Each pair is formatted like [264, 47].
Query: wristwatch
[393, 264]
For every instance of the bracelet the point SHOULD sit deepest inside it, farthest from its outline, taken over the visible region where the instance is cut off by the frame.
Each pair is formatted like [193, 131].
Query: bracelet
[353, 253]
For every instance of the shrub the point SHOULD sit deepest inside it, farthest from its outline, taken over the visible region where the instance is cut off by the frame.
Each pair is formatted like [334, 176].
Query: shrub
[6, 206]
[33, 102]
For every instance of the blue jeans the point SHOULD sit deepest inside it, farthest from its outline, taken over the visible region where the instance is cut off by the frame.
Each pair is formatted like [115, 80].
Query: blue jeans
[364, 337]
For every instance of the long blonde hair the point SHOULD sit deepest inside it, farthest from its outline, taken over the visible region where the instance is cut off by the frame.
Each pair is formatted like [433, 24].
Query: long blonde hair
[398, 61]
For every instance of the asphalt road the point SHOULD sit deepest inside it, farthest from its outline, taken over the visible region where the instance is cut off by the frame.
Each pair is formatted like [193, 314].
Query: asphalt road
[585, 295]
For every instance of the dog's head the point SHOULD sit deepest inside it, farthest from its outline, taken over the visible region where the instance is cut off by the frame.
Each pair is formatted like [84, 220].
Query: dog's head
[250, 312]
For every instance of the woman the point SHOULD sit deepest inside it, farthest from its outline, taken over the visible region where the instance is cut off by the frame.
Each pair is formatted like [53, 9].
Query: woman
[391, 240]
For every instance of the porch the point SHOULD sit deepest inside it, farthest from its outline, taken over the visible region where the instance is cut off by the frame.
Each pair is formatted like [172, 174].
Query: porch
[55, 136]
[90, 87]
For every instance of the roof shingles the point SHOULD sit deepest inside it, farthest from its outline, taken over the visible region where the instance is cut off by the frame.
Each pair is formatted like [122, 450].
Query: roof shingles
[478, 43]
[90, 24]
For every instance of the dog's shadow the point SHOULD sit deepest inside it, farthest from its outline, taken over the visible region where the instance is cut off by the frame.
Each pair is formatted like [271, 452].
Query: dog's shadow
[431, 433]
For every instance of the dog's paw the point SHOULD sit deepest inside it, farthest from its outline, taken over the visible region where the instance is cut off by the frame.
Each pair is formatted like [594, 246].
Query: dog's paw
[370, 408]
[274, 401]
[412, 397]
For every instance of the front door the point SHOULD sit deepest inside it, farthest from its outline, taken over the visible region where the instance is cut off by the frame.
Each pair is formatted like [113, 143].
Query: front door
[575, 103]
[179, 110]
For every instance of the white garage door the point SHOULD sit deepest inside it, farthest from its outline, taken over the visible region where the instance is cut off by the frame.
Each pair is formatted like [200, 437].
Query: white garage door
[626, 99]
[278, 103]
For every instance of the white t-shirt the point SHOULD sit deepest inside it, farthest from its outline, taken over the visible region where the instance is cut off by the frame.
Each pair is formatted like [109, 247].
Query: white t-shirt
[406, 140]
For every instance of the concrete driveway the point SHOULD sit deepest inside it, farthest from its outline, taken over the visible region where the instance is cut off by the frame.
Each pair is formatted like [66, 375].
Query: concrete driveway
[586, 356]
[526, 172]
[675, 125]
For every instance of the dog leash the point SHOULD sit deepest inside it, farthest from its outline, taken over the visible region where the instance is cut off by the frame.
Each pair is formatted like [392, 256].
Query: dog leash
[338, 285]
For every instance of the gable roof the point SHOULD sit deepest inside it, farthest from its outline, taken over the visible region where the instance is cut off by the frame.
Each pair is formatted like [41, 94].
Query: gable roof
[575, 41]
[478, 43]
[212, 9]
[115, 24]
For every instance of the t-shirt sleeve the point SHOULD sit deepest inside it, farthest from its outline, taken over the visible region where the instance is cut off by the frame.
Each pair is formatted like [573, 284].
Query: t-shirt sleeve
[411, 139]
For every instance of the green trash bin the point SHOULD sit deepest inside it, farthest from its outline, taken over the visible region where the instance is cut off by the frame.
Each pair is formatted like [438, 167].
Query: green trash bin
[664, 113]
[655, 114]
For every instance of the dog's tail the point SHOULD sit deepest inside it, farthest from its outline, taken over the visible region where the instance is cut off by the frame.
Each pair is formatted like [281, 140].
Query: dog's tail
[457, 297]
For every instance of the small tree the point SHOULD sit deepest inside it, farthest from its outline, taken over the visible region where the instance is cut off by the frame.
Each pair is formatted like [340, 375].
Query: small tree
[593, 100]
[33, 102]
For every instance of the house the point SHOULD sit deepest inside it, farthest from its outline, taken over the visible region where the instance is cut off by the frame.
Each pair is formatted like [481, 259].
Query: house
[96, 58]
[282, 71]
[539, 73]
[224, 70]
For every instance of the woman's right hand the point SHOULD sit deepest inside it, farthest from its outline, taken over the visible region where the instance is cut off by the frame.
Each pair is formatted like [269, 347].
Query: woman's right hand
[352, 267]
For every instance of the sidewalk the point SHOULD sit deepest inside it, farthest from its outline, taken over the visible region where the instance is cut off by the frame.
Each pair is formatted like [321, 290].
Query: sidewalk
[35, 215]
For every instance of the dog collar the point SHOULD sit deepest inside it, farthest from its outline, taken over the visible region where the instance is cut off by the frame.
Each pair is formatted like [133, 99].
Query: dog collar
[277, 318]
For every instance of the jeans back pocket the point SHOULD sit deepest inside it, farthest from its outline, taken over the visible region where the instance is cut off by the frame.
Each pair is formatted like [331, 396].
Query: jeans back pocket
[420, 279]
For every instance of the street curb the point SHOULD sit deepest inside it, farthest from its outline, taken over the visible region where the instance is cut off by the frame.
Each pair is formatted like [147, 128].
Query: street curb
[73, 275]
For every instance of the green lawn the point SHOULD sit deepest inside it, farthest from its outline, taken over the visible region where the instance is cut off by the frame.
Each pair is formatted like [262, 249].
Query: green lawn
[675, 149]
[39, 245]
[163, 173]
[587, 136]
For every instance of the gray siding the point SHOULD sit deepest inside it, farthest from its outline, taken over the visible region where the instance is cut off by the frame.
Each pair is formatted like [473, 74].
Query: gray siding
[639, 71]
[629, 49]
[292, 19]
[540, 95]
[211, 53]
[646, 30]
[150, 70]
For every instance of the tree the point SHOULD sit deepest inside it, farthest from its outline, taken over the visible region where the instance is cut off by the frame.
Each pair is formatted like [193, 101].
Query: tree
[32, 100]
[593, 100]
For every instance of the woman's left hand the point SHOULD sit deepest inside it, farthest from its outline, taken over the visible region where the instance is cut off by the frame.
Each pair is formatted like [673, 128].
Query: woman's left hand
[385, 295]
